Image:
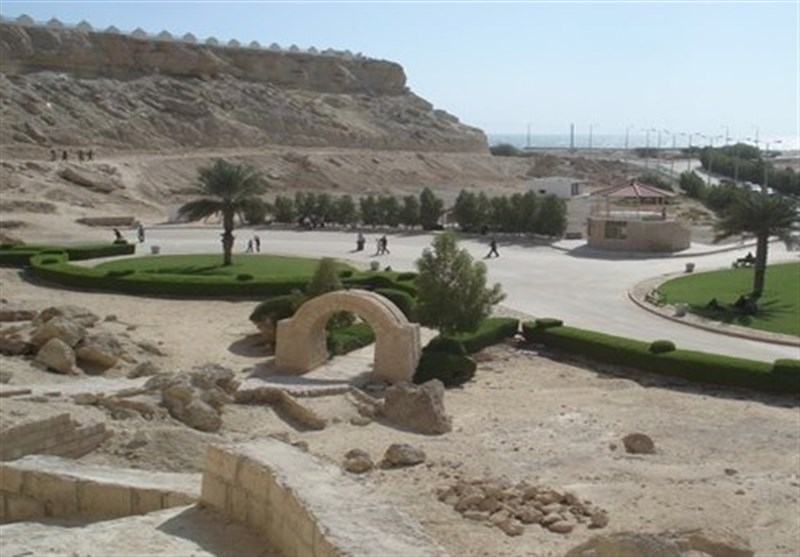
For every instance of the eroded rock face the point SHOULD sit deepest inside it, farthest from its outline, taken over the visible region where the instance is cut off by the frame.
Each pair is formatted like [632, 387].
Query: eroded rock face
[697, 543]
[16, 311]
[418, 408]
[79, 315]
[61, 328]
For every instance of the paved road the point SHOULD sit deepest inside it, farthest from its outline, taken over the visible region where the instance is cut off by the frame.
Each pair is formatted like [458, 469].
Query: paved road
[585, 289]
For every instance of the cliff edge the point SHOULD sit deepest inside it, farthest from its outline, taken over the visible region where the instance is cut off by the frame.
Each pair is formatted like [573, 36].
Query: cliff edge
[71, 88]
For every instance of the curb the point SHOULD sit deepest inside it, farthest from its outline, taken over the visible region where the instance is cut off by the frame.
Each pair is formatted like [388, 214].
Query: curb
[734, 330]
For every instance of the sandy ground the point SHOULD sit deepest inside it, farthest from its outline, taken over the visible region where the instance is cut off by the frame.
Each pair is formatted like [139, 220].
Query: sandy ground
[725, 459]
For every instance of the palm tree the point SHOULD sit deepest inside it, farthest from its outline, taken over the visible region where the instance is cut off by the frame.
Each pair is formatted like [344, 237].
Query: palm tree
[227, 189]
[762, 216]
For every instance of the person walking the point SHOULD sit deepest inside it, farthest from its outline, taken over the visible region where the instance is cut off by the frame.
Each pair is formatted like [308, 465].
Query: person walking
[360, 241]
[140, 233]
[492, 248]
[257, 243]
[384, 244]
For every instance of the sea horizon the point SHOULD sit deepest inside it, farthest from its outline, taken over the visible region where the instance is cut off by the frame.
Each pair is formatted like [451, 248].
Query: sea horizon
[618, 141]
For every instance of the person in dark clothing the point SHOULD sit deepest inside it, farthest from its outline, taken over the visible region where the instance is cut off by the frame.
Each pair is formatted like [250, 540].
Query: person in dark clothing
[360, 240]
[118, 236]
[64, 155]
[492, 248]
[140, 233]
[257, 243]
[384, 245]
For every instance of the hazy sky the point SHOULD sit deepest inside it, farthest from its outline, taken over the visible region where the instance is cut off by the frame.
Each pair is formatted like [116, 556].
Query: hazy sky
[680, 66]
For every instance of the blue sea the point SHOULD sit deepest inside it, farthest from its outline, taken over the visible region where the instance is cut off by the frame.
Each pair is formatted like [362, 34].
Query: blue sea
[610, 141]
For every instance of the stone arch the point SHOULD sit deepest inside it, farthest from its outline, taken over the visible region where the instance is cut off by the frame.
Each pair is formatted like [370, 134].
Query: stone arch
[300, 340]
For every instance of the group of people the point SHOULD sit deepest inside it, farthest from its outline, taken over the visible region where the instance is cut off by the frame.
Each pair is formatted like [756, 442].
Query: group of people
[118, 237]
[253, 244]
[87, 155]
[381, 244]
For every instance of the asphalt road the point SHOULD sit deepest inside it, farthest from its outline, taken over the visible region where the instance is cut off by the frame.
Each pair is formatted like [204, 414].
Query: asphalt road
[584, 288]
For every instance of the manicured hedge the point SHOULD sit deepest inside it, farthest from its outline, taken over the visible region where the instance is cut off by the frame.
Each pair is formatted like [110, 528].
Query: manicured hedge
[346, 339]
[688, 364]
[445, 344]
[492, 330]
[19, 256]
[277, 308]
[159, 284]
[376, 280]
[403, 300]
[450, 369]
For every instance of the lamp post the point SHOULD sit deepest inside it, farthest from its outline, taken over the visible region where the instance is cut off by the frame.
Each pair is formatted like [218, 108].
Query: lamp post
[627, 133]
[591, 128]
[647, 148]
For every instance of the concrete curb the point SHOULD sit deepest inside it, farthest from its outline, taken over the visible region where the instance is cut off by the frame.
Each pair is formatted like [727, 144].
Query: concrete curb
[636, 295]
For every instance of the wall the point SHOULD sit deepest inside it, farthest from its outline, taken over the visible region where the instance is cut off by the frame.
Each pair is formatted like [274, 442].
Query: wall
[654, 236]
[304, 506]
[45, 486]
[58, 435]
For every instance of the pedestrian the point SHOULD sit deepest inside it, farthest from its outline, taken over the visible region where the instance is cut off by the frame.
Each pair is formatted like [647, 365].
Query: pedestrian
[140, 233]
[90, 155]
[257, 243]
[384, 244]
[53, 155]
[360, 241]
[492, 248]
[118, 236]
[379, 246]
[249, 246]
[80, 155]
[64, 155]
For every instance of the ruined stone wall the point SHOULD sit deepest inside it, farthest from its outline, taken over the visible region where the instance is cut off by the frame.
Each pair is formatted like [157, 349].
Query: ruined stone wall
[58, 435]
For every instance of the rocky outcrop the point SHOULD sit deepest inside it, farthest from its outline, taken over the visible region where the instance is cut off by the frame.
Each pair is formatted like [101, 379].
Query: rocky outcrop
[695, 543]
[128, 93]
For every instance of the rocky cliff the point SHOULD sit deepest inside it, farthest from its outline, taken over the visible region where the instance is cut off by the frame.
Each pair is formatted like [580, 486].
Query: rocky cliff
[72, 88]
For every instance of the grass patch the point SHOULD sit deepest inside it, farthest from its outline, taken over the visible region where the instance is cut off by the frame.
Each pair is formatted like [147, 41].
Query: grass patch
[779, 306]
[211, 265]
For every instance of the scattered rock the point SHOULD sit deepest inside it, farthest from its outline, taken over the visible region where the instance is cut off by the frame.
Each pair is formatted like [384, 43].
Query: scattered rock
[357, 461]
[418, 408]
[511, 527]
[151, 348]
[61, 328]
[14, 343]
[561, 527]
[15, 311]
[638, 443]
[57, 355]
[629, 544]
[402, 454]
[79, 315]
[144, 369]
[361, 420]
[99, 351]
[598, 519]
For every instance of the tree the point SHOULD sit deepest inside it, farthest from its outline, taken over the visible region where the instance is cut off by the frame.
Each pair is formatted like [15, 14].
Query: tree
[762, 216]
[369, 210]
[228, 189]
[283, 209]
[409, 212]
[452, 293]
[345, 210]
[430, 209]
[692, 184]
[552, 219]
[326, 279]
[388, 210]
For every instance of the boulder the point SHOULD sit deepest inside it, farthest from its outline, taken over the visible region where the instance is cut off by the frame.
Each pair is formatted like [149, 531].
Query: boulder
[199, 415]
[357, 461]
[61, 328]
[79, 315]
[84, 178]
[638, 443]
[143, 369]
[418, 408]
[15, 311]
[100, 351]
[57, 355]
[14, 343]
[402, 454]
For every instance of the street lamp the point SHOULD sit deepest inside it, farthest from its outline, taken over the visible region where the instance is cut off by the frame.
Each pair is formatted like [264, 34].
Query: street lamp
[591, 127]
[627, 132]
[647, 148]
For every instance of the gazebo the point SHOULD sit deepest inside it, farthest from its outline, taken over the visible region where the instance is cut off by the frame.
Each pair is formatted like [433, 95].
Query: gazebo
[644, 227]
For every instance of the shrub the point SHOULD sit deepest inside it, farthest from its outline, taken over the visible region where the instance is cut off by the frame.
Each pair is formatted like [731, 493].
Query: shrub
[244, 276]
[404, 301]
[346, 273]
[406, 276]
[504, 150]
[661, 346]
[548, 322]
[688, 364]
[491, 331]
[325, 280]
[346, 339]
[450, 369]
[445, 344]
[277, 308]
[255, 212]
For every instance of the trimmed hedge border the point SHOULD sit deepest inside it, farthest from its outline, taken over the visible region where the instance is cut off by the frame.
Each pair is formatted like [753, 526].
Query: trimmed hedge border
[782, 377]
[19, 256]
[344, 340]
[491, 331]
[451, 369]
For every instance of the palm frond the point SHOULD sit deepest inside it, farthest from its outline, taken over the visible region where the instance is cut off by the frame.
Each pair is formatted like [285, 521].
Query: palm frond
[199, 209]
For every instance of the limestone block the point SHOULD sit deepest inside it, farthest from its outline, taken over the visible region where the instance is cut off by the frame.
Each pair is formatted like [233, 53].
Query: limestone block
[255, 479]
[222, 463]
[62, 328]
[10, 479]
[57, 355]
[20, 507]
[214, 490]
[239, 504]
[59, 495]
[104, 500]
[147, 500]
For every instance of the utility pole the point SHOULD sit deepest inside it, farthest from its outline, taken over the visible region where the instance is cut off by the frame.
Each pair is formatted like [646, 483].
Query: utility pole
[572, 137]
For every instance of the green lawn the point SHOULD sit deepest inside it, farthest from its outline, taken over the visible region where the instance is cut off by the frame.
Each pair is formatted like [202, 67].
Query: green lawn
[257, 265]
[779, 305]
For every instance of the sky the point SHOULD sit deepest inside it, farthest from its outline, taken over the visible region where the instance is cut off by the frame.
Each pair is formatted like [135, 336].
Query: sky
[717, 68]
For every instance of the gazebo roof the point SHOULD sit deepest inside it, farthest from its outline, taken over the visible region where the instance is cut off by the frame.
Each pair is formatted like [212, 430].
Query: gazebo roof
[634, 190]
